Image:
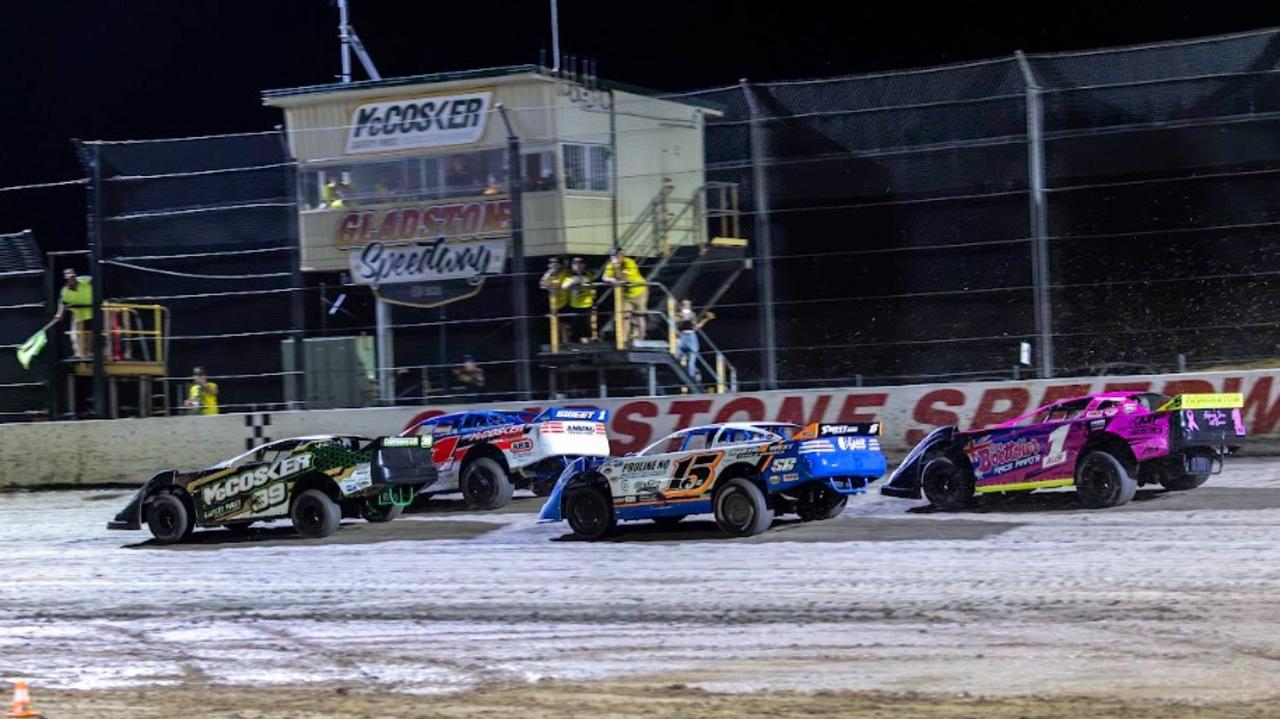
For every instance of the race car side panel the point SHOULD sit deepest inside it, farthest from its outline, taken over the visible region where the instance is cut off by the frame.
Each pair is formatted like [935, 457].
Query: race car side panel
[1031, 457]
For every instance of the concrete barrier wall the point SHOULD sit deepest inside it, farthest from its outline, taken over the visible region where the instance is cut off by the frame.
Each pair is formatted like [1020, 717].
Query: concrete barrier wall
[130, 450]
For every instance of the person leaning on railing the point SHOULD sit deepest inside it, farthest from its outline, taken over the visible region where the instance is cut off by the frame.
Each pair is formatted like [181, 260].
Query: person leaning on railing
[202, 398]
[622, 270]
[582, 297]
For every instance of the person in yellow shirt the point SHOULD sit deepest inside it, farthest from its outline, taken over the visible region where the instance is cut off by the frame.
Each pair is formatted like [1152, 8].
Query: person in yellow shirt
[552, 281]
[77, 295]
[582, 297]
[202, 398]
[622, 270]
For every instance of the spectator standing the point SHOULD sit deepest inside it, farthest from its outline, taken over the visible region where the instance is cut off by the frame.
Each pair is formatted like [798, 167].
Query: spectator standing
[202, 398]
[687, 344]
[77, 295]
[470, 376]
[582, 297]
[557, 297]
[622, 270]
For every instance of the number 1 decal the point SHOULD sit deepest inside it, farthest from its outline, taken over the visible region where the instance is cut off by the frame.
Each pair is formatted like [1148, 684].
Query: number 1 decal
[1057, 447]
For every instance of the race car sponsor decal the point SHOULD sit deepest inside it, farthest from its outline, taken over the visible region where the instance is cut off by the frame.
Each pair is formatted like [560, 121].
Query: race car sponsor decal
[523, 446]
[646, 466]
[254, 478]
[422, 440]
[832, 429]
[361, 477]
[850, 444]
[992, 458]
[492, 433]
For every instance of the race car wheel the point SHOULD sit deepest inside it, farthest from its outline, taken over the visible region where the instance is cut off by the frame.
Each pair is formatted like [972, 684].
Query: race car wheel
[1102, 481]
[1183, 482]
[314, 514]
[485, 485]
[741, 509]
[589, 510]
[945, 485]
[817, 511]
[169, 519]
[374, 512]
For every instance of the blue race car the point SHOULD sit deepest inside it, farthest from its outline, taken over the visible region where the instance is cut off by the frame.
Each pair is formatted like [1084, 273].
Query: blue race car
[487, 454]
[744, 473]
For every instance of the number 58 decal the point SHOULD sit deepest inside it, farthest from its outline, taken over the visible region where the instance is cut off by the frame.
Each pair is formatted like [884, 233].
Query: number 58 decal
[784, 464]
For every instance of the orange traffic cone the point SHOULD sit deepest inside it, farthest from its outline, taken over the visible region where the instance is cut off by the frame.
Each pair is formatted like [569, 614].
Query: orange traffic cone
[21, 706]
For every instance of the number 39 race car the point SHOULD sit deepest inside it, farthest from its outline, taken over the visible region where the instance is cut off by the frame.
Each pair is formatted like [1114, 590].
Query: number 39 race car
[1104, 445]
[314, 481]
[744, 473]
[488, 454]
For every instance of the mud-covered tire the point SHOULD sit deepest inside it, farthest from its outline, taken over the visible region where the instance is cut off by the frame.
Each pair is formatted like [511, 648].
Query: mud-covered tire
[589, 509]
[370, 511]
[741, 509]
[485, 485]
[809, 512]
[946, 485]
[1183, 482]
[1101, 481]
[169, 518]
[314, 514]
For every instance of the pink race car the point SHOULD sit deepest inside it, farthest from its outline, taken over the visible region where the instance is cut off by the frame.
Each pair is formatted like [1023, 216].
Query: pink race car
[1105, 445]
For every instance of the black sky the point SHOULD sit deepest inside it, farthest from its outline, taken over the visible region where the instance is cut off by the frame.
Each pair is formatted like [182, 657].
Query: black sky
[115, 69]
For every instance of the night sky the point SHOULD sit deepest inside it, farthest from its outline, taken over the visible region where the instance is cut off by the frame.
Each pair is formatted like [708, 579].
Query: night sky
[113, 70]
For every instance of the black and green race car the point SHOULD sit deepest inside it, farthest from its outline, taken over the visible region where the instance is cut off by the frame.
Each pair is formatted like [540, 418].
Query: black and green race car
[314, 481]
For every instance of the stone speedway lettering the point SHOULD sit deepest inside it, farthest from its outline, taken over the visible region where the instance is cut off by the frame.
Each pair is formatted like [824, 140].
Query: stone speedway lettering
[254, 478]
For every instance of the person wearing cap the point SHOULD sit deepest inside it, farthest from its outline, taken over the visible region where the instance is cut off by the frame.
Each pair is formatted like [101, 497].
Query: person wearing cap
[582, 297]
[470, 375]
[552, 281]
[77, 295]
[202, 398]
[622, 270]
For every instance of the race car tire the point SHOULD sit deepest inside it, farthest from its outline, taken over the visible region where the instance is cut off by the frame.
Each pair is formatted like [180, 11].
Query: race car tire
[169, 519]
[485, 485]
[589, 510]
[1183, 482]
[314, 514]
[1101, 481]
[375, 513]
[947, 486]
[668, 521]
[741, 509]
[815, 512]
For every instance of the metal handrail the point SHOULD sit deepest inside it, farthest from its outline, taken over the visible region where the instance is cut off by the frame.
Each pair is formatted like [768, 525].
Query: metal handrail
[119, 318]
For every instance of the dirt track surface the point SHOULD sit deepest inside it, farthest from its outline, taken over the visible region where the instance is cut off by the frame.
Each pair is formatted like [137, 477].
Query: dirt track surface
[1044, 608]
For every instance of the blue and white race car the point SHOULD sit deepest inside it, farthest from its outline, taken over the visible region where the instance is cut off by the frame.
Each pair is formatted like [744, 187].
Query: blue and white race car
[488, 454]
[745, 473]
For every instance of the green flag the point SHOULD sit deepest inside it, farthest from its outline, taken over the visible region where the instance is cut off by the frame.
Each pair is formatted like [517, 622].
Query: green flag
[31, 348]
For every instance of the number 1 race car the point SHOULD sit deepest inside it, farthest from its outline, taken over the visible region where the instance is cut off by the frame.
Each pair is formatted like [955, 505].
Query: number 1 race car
[1105, 445]
[488, 454]
[744, 473]
[315, 481]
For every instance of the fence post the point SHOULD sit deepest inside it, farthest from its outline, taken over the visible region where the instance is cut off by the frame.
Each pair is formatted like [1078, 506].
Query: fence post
[98, 333]
[763, 242]
[1043, 300]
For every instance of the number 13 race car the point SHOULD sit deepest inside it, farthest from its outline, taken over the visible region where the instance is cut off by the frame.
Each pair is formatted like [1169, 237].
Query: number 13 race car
[1104, 445]
[315, 481]
[488, 454]
[742, 472]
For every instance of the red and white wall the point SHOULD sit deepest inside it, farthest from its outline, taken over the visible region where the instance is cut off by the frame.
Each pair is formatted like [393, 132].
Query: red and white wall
[130, 450]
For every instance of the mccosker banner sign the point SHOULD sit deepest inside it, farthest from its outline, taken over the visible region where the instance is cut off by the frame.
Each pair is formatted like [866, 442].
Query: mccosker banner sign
[418, 122]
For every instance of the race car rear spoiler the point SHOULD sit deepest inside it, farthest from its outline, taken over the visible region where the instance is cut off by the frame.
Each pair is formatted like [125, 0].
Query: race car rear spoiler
[861, 429]
[569, 414]
[1229, 400]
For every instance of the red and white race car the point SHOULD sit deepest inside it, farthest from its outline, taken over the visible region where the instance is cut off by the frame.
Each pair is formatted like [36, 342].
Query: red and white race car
[488, 454]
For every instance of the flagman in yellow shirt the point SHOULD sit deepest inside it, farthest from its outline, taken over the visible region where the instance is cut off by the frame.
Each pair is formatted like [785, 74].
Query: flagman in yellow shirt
[77, 296]
[202, 398]
[622, 270]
